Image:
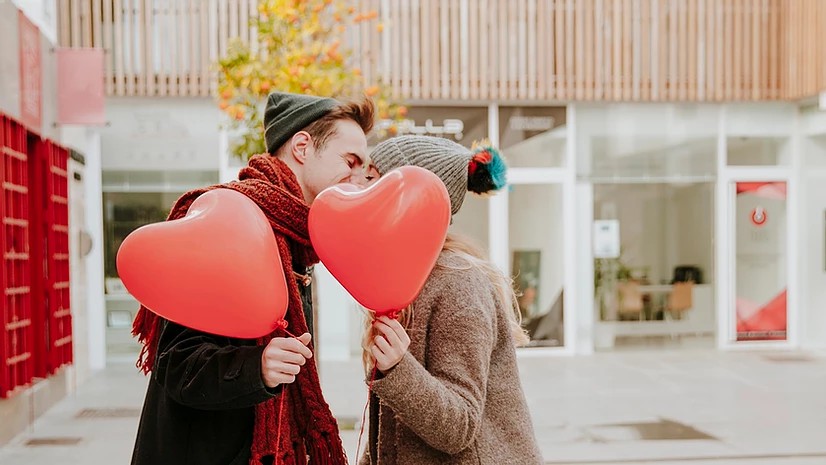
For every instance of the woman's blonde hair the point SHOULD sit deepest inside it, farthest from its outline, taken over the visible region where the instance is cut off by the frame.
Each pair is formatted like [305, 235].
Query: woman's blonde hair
[474, 258]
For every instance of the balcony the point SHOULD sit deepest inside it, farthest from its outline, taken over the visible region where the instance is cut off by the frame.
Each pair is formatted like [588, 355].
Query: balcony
[490, 50]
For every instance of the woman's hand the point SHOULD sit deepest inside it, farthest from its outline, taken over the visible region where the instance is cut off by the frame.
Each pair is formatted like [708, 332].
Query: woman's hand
[390, 345]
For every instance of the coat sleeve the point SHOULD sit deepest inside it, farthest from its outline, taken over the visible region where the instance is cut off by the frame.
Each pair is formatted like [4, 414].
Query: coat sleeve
[443, 403]
[208, 372]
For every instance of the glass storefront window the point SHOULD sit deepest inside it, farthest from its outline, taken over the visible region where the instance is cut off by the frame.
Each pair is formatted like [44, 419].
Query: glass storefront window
[464, 125]
[646, 158]
[758, 151]
[133, 198]
[533, 136]
[123, 212]
[160, 181]
[666, 238]
[653, 168]
[472, 221]
[537, 259]
[647, 143]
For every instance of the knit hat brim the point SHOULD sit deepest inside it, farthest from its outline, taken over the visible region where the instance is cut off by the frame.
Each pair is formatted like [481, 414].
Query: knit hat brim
[286, 114]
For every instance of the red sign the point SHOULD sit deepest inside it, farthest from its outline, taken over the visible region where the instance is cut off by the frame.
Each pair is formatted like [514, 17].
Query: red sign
[31, 81]
[80, 96]
[758, 216]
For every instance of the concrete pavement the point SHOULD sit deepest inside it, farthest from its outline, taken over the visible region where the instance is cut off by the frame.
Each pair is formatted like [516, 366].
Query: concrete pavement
[654, 407]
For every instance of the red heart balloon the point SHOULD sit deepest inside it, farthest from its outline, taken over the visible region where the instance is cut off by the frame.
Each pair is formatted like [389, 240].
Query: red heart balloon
[382, 242]
[216, 270]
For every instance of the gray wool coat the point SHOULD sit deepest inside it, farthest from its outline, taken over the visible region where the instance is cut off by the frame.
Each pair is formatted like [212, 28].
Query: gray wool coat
[455, 397]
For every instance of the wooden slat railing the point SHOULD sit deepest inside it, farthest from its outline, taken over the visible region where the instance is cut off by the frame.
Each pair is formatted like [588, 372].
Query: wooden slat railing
[805, 67]
[491, 50]
[157, 47]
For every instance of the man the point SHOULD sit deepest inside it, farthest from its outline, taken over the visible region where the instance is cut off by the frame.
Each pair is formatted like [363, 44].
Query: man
[218, 400]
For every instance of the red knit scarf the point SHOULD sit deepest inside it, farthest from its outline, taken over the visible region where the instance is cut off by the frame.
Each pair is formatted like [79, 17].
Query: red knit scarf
[306, 427]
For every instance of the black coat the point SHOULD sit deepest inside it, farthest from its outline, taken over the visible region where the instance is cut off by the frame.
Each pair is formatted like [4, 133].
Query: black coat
[200, 402]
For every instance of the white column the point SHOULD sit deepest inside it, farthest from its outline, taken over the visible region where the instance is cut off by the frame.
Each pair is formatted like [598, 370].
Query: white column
[723, 253]
[584, 305]
[493, 124]
[498, 231]
[498, 204]
[87, 142]
[570, 237]
[795, 311]
[579, 153]
[94, 261]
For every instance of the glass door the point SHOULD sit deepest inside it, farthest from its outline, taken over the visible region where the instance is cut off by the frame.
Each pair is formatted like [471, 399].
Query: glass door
[761, 232]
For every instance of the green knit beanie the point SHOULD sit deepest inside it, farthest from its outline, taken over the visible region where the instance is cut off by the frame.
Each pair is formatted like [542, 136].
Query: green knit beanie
[480, 170]
[286, 114]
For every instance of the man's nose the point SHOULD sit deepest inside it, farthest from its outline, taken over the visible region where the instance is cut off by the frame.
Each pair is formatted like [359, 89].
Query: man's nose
[358, 179]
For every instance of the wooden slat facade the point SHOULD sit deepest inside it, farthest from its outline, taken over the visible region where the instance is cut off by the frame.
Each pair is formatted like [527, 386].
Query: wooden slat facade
[491, 50]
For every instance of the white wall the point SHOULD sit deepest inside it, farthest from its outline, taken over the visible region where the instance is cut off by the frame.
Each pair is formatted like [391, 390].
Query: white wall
[763, 119]
[43, 14]
[161, 134]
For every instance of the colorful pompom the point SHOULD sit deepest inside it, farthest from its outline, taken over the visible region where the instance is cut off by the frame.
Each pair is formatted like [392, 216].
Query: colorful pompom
[486, 169]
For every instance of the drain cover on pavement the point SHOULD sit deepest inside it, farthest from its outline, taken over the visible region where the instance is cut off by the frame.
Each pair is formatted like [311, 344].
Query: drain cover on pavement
[794, 358]
[109, 413]
[56, 441]
[663, 430]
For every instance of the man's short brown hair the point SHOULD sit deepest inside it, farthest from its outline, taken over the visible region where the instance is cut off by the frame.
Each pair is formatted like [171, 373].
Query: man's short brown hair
[361, 112]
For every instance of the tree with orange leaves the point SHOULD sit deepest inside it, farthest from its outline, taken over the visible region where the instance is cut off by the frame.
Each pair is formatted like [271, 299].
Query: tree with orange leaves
[300, 51]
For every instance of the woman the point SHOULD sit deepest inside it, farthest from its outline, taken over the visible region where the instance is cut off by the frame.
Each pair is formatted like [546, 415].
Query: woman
[444, 381]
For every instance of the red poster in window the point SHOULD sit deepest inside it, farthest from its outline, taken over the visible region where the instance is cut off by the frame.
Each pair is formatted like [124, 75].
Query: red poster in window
[31, 81]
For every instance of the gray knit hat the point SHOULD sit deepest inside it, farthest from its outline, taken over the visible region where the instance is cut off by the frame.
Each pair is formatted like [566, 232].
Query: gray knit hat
[478, 170]
[286, 114]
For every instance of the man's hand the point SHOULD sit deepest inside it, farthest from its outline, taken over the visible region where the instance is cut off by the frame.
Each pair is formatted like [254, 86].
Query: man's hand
[283, 358]
[389, 347]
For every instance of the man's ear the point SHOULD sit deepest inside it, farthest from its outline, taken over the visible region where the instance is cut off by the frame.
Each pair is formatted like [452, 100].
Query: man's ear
[299, 144]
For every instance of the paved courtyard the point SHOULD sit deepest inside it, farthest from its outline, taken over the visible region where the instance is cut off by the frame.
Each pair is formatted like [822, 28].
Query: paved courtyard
[655, 407]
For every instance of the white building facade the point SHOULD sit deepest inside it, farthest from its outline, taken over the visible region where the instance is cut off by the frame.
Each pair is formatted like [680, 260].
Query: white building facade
[601, 198]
